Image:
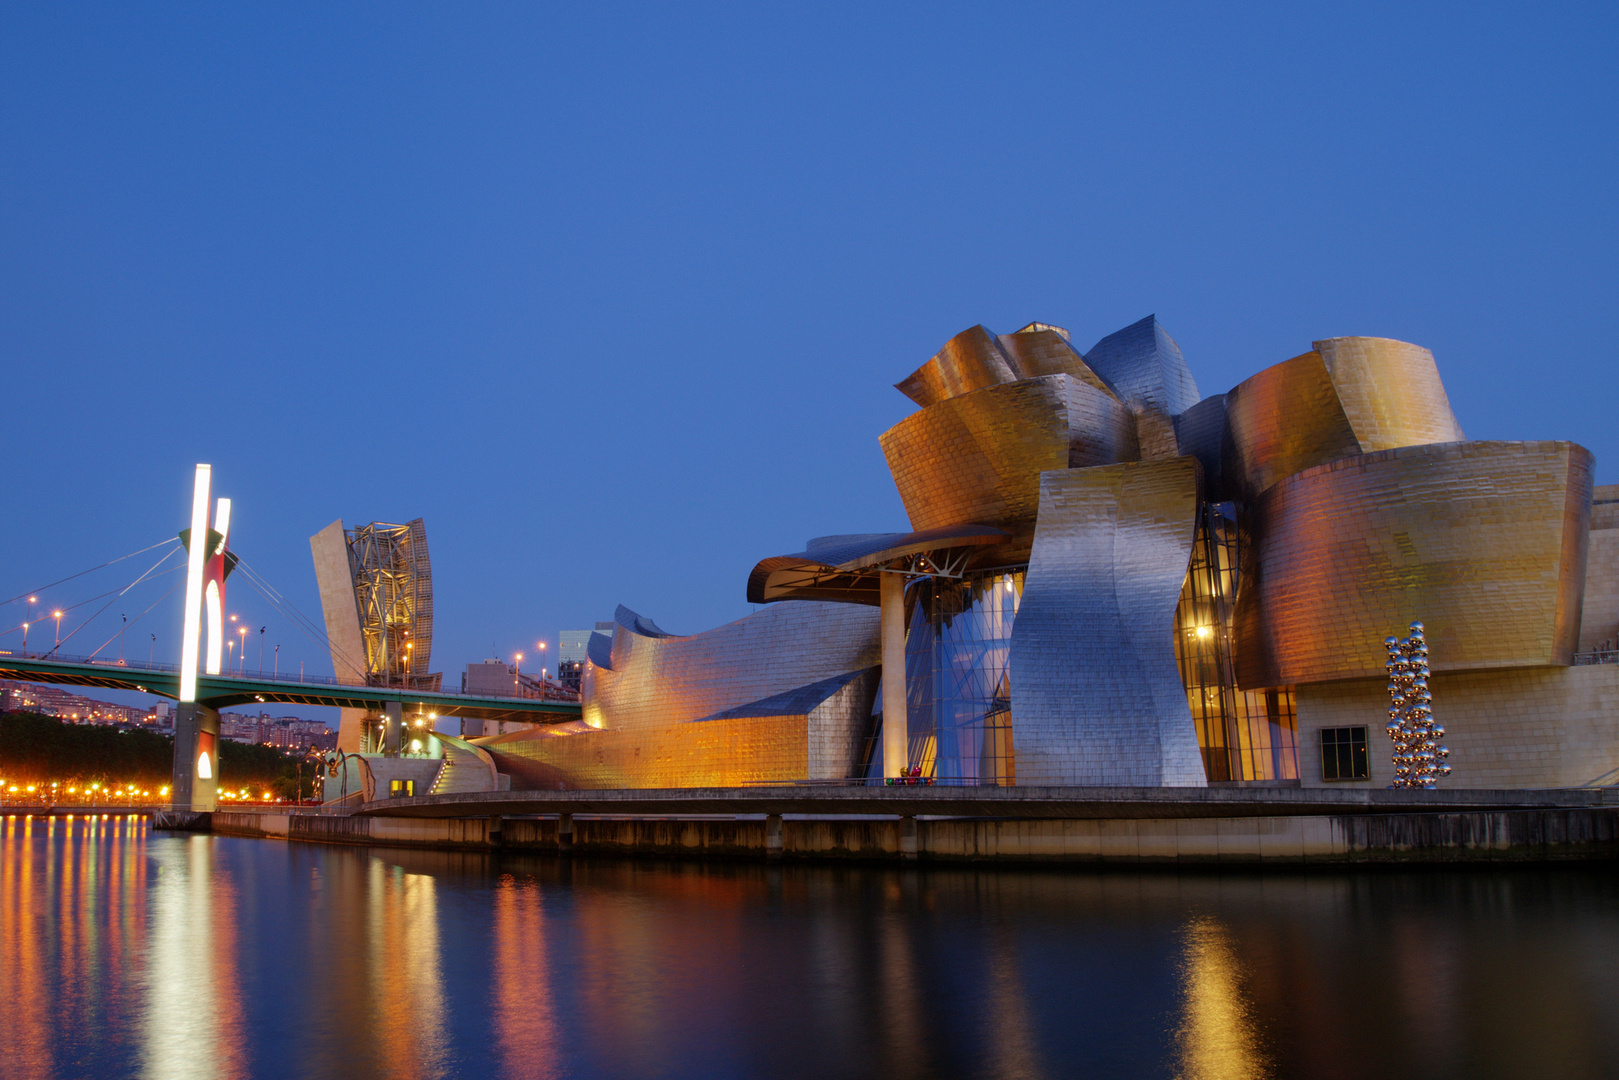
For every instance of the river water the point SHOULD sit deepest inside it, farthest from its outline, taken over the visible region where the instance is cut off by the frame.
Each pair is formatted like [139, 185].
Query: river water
[129, 952]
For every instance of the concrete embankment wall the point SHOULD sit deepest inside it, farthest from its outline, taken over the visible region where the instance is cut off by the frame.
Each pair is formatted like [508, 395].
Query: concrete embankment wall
[1486, 836]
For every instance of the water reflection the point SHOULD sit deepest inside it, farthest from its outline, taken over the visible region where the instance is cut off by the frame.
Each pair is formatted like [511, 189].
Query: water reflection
[1216, 1039]
[128, 953]
[192, 1025]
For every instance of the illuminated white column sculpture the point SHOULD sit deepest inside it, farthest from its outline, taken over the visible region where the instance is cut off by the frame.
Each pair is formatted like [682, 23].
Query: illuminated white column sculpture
[195, 784]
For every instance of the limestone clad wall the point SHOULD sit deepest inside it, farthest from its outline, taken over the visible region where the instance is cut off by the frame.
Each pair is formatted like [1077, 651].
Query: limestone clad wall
[1542, 727]
[1600, 613]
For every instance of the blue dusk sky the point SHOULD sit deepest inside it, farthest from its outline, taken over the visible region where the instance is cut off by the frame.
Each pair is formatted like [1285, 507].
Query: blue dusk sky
[614, 296]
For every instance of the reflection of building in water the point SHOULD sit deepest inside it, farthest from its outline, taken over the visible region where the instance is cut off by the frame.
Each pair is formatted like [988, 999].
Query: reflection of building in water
[1112, 580]
[404, 969]
[527, 1035]
[1217, 1038]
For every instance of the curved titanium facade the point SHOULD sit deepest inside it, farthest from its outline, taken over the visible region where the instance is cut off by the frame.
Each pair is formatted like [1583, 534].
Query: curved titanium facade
[658, 681]
[969, 361]
[1096, 695]
[1143, 364]
[1035, 351]
[1390, 391]
[1348, 396]
[978, 457]
[1282, 421]
[1484, 542]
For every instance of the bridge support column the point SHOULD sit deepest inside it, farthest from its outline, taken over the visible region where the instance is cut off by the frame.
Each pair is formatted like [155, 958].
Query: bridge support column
[772, 836]
[907, 838]
[564, 834]
[896, 725]
[493, 832]
[395, 714]
[194, 786]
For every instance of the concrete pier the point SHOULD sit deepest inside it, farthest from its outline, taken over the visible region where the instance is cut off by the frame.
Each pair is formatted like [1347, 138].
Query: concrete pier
[1230, 827]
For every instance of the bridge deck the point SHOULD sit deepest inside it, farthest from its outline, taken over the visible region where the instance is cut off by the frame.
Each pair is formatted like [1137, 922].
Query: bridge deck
[224, 691]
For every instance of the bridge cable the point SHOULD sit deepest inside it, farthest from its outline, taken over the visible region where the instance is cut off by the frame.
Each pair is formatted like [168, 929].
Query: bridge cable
[65, 608]
[115, 596]
[93, 569]
[139, 617]
[288, 611]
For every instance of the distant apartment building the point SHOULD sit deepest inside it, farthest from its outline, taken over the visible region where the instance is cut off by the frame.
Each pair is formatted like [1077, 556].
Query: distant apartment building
[54, 701]
[286, 732]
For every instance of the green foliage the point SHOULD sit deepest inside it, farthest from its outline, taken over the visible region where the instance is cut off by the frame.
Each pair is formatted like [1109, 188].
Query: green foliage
[37, 748]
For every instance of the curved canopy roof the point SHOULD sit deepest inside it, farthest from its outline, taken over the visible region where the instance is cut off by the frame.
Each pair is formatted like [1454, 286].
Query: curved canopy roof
[844, 569]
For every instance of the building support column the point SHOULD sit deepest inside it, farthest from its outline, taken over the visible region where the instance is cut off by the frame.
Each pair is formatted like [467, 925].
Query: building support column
[896, 724]
[772, 836]
[492, 831]
[194, 786]
[907, 838]
[564, 834]
[395, 713]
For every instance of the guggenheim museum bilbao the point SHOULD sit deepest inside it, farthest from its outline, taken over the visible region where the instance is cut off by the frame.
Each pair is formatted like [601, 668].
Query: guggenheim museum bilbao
[1113, 580]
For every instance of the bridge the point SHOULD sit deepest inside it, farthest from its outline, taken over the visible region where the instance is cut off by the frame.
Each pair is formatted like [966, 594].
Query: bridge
[224, 691]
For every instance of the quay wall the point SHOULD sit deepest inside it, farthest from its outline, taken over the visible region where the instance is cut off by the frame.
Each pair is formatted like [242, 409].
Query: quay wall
[1529, 835]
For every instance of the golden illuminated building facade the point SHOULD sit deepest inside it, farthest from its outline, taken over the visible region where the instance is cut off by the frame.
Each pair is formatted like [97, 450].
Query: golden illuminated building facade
[1114, 581]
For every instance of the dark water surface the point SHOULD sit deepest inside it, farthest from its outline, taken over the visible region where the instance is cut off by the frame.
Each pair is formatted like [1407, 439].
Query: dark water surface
[127, 952]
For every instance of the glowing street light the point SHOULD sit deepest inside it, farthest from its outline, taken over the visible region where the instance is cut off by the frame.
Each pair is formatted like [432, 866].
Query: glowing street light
[57, 615]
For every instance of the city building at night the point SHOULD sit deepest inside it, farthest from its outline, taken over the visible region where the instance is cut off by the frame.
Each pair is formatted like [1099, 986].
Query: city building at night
[1113, 580]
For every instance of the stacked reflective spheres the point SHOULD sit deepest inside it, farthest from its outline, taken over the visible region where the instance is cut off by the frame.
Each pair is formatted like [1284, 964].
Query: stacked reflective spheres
[1419, 757]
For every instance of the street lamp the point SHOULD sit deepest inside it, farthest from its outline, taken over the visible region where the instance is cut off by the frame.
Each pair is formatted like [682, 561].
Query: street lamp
[230, 649]
[57, 615]
[242, 632]
[517, 677]
[25, 639]
[261, 652]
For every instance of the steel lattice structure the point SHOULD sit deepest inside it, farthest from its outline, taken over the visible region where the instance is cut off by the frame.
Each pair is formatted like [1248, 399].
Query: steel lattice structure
[393, 590]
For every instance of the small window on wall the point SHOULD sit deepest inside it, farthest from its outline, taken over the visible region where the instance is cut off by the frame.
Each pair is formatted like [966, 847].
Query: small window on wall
[1343, 754]
[407, 788]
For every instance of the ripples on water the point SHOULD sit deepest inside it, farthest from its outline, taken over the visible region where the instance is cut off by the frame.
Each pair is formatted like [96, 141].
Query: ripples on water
[125, 952]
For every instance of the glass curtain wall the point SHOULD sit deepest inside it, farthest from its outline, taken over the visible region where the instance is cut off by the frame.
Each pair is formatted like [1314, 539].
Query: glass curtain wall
[1244, 735]
[958, 688]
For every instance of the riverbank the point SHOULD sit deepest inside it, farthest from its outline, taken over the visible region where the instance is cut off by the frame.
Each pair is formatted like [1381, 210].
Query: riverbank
[1199, 827]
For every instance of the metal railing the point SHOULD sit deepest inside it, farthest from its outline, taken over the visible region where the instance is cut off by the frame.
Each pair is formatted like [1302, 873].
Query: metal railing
[1597, 656]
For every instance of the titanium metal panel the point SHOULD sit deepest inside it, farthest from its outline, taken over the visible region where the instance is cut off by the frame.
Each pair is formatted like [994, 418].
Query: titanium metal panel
[1485, 542]
[1390, 391]
[1037, 350]
[1201, 432]
[978, 457]
[1143, 363]
[1349, 396]
[660, 681]
[1282, 421]
[969, 361]
[1096, 693]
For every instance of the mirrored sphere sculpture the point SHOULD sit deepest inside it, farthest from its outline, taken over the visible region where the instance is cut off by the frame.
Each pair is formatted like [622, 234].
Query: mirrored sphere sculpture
[1419, 757]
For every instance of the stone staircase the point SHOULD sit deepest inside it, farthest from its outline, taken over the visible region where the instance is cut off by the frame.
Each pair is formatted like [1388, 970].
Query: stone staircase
[465, 769]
